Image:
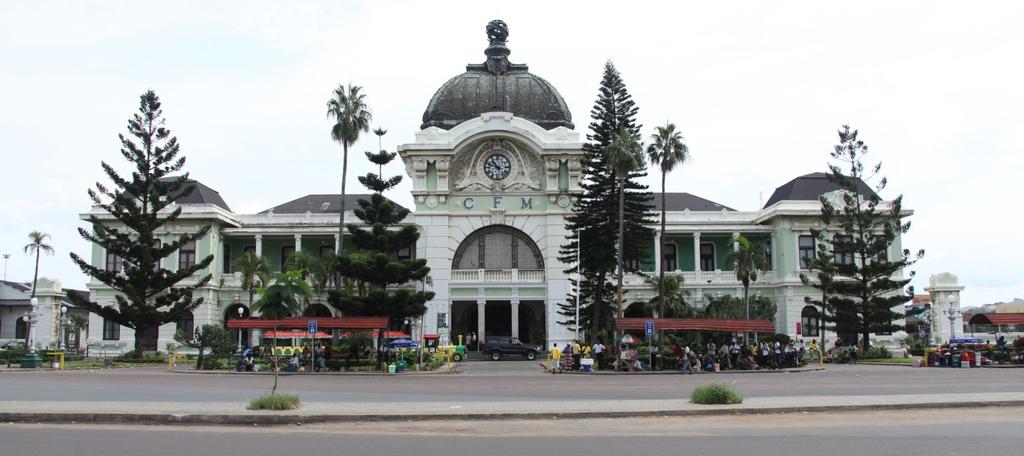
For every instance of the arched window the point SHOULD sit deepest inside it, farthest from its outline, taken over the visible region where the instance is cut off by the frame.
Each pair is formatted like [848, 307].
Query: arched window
[810, 320]
[498, 247]
[187, 324]
[20, 328]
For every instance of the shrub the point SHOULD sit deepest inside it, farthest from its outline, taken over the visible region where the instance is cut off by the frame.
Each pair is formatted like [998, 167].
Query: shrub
[715, 393]
[782, 339]
[282, 401]
[877, 353]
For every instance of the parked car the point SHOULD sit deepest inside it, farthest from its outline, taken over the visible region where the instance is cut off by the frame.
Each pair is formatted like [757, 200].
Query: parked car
[495, 347]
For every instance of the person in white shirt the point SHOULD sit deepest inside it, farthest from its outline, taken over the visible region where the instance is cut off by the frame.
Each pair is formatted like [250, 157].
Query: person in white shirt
[598, 350]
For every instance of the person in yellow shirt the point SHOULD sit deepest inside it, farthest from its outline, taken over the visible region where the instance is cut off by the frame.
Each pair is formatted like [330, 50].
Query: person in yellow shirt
[556, 359]
[576, 354]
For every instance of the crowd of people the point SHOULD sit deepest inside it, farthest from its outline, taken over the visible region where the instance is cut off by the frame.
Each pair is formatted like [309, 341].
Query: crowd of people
[734, 355]
[575, 355]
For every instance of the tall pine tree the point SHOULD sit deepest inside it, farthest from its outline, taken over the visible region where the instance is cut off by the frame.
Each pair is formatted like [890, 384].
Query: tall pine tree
[593, 224]
[146, 294]
[864, 287]
[373, 263]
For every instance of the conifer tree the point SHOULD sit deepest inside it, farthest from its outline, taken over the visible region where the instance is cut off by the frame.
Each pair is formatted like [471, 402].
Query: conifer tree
[373, 262]
[146, 294]
[593, 224]
[864, 286]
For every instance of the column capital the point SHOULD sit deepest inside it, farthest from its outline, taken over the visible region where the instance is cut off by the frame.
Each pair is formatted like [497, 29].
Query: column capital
[258, 237]
[514, 302]
[696, 234]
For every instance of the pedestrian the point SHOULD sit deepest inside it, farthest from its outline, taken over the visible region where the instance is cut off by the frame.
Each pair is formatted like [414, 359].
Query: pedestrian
[734, 353]
[568, 355]
[599, 354]
[687, 365]
[577, 354]
[556, 359]
[853, 354]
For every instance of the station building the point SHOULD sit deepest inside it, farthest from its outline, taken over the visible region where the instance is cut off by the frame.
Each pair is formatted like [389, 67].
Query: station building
[495, 168]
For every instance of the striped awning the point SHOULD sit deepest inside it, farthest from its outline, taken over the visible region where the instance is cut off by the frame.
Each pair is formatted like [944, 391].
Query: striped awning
[303, 322]
[997, 319]
[696, 324]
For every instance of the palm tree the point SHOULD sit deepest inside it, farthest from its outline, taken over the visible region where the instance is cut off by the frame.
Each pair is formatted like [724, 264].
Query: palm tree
[37, 246]
[748, 258]
[254, 271]
[282, 299]
[672, 299]
[665, 151]
[625, 154]
[351, 117]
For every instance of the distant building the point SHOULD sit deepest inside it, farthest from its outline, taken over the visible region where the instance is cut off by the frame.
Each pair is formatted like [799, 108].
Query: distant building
[15, 303]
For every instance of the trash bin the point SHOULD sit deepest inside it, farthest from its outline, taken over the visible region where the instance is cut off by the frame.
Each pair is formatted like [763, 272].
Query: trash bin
[392, 368]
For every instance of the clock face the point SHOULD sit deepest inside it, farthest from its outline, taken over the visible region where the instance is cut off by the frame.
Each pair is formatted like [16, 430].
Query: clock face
[497, 167]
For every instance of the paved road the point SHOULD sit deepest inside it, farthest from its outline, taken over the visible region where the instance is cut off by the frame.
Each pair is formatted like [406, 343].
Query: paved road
[492, 381]
[989, 431]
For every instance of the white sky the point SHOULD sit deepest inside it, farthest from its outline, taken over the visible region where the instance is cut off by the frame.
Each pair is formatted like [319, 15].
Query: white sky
[757, 88]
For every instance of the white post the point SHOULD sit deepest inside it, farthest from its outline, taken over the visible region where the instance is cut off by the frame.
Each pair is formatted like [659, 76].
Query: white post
[696, 254]
[515, 318]
[481, 310]
[259, 245]
[298, 243]
[337, 242]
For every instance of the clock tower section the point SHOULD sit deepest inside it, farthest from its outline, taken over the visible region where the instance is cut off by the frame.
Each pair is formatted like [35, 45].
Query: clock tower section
[495, 171]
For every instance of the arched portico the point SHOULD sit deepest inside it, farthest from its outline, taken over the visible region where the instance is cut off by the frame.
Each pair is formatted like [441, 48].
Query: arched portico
[499, 251]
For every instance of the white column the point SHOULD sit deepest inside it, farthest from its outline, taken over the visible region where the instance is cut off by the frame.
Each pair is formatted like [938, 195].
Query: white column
[259, 245]
[696, 251]
[337, 242]
[481, 311]
[298, 243]
[657, 253]
[515, 318]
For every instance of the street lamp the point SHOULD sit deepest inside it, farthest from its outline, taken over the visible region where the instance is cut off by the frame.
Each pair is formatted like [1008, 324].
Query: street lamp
[64, 320]
[31, 317]
[241, 310]
[6, 257]
[952, 312]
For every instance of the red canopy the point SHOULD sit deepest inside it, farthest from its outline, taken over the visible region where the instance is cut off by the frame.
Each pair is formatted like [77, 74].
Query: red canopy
[696, 324]
[294, 334]
[1000, 319]
[302, 322]
[387, 335]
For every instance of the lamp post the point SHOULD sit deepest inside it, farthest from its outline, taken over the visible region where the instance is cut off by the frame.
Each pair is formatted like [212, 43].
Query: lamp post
[31, 358]
[64, 320]
[7, 256]
[952, 312]
[241, 310]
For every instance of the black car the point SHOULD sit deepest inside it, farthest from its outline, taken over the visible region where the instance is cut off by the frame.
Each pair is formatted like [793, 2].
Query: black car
[495, 347]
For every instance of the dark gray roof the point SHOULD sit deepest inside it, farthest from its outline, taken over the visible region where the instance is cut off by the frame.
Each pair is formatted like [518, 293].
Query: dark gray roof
[809, 187]
[82, 293]
[319, 204]
[497, 85]
[683, 201]
[20, 286]
[201, 194]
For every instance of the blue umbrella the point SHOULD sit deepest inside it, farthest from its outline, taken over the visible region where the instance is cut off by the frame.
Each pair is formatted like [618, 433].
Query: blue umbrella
[403, 343]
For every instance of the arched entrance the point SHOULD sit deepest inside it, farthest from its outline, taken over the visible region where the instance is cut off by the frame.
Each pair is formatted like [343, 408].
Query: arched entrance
[317, 310]
[500, 260]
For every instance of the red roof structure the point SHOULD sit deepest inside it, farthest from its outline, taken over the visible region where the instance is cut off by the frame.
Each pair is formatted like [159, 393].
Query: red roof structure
[1000, 319]
[302, 322]
[294, 334]
[696, 324]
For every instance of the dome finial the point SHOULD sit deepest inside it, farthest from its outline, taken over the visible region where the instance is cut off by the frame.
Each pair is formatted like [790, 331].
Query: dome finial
[497, 53]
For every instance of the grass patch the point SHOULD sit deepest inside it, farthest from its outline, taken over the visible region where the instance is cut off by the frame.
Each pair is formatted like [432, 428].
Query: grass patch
[889, 360]
[281, 401]
[715, 393]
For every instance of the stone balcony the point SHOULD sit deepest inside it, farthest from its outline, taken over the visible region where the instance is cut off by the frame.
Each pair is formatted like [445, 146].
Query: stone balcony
[498, 275]
[697, 279]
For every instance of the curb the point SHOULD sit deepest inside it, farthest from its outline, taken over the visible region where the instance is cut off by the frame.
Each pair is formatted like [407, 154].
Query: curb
[676, 372]
[271, 420]
[325, 374]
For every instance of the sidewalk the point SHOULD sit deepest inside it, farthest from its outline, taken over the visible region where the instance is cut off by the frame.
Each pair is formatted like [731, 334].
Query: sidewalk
[233, 413]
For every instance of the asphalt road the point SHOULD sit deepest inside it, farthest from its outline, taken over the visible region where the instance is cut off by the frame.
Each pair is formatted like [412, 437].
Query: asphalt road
[488, 381]
[986, 431]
